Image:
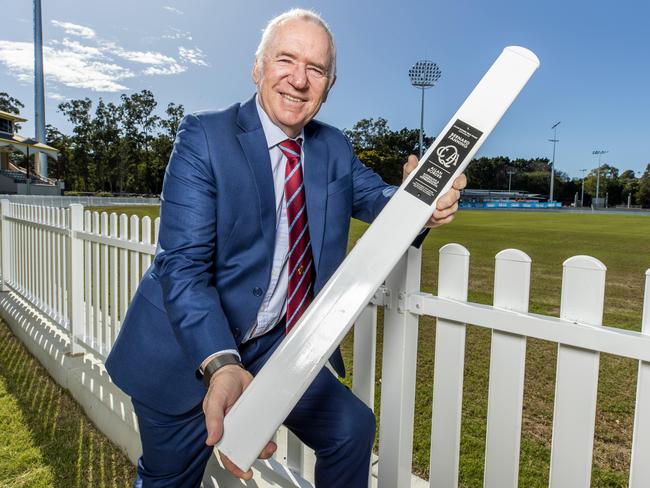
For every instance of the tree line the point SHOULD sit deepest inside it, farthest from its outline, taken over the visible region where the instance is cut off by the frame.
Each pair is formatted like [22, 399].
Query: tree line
[124, 148]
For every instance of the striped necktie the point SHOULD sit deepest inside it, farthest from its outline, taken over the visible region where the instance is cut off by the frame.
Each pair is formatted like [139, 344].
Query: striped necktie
[301, 263]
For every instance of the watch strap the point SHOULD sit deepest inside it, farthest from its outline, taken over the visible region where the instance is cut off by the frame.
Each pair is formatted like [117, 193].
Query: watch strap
[217, 363]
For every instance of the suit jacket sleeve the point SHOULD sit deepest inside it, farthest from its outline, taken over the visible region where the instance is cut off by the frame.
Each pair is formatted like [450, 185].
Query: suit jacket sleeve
[371, 194]
[185, 262]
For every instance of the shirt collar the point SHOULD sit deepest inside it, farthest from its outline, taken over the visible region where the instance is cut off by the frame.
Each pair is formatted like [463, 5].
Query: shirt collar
[274, 135]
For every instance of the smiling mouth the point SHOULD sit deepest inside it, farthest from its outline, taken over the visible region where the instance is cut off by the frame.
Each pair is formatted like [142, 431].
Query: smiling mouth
[290, 98]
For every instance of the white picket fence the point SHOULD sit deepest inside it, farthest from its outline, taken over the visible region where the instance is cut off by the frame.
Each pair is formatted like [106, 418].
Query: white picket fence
[81, 269]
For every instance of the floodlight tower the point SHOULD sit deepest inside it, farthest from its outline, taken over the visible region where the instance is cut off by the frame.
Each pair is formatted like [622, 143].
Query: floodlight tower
[582, 195]
[424, 74]
[554, 141]
[39, 86]
[598, 152]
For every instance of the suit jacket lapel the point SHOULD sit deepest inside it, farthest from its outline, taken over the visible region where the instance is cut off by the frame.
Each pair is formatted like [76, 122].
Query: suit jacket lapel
[315, 179]
[253, 143]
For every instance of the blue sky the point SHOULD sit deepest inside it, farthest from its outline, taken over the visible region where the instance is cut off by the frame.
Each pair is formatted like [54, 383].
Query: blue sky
[594, 74]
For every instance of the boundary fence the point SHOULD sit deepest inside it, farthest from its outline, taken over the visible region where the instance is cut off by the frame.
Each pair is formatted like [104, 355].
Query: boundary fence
[80, 270]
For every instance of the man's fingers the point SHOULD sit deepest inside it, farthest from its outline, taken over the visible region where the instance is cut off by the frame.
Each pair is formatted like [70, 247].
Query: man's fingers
[461, 182]
[234, 469]
[448, 199]
[268, 450]
[214, 413]
[410, 165]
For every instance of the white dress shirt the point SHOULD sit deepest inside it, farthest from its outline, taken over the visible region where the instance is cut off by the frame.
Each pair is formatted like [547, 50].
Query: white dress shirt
[274, 304]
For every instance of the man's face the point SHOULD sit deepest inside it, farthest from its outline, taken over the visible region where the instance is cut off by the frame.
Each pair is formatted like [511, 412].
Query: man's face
[292, 77]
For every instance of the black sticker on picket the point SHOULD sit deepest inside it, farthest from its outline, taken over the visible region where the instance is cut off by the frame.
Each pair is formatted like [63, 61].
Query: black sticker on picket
[441, 164]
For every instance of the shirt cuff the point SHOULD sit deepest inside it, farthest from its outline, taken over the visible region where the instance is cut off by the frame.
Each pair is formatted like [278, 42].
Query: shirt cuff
[217, 354]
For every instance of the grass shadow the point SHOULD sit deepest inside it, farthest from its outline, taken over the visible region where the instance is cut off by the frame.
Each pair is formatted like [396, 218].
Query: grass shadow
[75, 451]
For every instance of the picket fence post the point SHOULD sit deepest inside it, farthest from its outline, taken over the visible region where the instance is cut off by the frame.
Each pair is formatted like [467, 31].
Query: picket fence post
[5, 244]
[398, 374]
[76, 278]
[576, 383]
[507, 371]
[449, 364]
[639, 466]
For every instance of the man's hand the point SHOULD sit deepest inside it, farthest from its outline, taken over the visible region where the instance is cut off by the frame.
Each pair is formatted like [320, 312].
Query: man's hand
[447, 204]
[226, 386]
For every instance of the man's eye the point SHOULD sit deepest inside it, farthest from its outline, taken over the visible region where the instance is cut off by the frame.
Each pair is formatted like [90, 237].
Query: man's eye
[316, 71]
[284, 60]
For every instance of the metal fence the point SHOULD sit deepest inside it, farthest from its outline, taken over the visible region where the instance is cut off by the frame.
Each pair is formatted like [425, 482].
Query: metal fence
[81, 269]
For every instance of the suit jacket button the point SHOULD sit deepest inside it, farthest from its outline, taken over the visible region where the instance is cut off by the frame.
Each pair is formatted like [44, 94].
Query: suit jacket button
[257, 291]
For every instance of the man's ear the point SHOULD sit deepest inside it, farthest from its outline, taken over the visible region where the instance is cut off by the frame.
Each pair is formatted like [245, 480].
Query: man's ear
[328, 90]
[256, 73]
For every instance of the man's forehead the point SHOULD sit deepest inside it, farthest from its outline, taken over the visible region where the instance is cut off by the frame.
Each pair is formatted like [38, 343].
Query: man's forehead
[294, 34]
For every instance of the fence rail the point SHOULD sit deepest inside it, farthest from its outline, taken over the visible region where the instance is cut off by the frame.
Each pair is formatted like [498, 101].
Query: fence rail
[88, 201]
[81, 269]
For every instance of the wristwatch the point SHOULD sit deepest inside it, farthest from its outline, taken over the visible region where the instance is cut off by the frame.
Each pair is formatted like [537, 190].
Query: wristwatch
[219, 362]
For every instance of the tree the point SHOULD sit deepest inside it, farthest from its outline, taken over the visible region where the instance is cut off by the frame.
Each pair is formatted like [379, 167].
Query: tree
[382, 149]
[11, 105]
[643, 193]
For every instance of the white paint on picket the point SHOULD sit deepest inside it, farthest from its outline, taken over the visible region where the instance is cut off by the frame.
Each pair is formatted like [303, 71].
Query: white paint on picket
[104, 287]
[135, 256]
[398, 374]
[146, 239]
[5, 244]
[576, 383]
[449, 362]
[87, 277]
[96, 312]
[113, 280]
[75, 272]
[639, 465]
[365, 351]
[123, 286]
[507, 370]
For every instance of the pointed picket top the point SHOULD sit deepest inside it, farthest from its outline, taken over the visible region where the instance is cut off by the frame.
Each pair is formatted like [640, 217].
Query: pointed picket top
[513, 255]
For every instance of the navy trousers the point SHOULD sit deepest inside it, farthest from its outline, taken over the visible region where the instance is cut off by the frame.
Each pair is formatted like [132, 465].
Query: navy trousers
[329, 418]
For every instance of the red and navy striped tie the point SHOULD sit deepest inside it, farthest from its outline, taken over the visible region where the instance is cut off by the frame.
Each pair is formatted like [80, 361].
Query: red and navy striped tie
[301, 262]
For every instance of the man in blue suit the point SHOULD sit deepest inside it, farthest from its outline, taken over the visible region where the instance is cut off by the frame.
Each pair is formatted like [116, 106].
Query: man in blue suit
[218, 298]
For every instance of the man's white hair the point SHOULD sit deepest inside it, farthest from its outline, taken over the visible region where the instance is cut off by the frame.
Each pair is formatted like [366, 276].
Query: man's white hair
[300, 14]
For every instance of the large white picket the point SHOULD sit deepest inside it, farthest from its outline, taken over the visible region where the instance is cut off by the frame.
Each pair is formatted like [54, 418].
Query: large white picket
[81, 269]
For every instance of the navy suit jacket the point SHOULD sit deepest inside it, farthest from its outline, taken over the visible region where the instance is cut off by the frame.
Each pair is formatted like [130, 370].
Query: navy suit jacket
[216, 241]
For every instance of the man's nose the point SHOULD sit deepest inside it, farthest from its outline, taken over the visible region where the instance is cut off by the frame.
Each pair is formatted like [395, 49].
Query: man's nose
[298, 76]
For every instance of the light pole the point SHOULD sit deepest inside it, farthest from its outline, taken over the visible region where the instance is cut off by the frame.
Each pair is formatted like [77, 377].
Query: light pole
[554, 141]
[582, 195]
[598, 152]
[510, 173]
[424, 74]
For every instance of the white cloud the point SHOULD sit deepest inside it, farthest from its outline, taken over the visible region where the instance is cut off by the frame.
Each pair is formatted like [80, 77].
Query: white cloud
[55, 96]
[75, 29]
[68, 65]
[177, 34]
[93, 63]
[173, 10]
[171, 69]
[193, 56]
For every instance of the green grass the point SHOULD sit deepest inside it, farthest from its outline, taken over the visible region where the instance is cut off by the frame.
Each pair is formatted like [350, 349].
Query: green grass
[621, 242]
[45, 439]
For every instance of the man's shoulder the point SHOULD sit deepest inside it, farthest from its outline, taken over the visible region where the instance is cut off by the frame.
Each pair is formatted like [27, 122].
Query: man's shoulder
[326, 132]
[226, 115]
